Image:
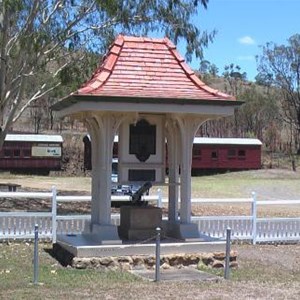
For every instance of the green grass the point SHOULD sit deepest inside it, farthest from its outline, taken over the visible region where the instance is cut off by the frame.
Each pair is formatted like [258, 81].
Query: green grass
[242, 184]
[16, 273]
[236, 184]
[57, 282]
[251, 279]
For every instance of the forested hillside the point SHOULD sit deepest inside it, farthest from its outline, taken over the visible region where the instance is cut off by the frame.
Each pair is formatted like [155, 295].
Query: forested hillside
[263, 115]
[49, 48]
[271, 109]
[259, 117]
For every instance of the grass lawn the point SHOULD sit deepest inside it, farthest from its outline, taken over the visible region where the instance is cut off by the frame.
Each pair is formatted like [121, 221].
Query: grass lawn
[255, 278]
[265, 271]
[267, 184]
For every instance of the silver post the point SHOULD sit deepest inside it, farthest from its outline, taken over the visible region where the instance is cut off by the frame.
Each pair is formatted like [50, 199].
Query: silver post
[54, 214]
[254, 216]
[36, 255]
[227, 257]
[157, 255]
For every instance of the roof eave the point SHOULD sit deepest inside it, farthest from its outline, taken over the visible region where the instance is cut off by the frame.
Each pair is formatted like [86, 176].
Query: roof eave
[73, 99]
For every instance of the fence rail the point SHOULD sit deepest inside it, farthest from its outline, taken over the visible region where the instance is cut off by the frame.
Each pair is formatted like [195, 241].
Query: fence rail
[20, 224]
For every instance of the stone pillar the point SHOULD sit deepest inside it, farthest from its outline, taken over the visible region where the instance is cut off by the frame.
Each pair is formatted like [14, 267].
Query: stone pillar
[102, 128]
[94, 132]
[173, 166]
[187, 128]
[108, 131]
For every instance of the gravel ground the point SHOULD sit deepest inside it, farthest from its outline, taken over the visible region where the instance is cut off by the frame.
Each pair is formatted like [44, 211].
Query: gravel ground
[286, 257]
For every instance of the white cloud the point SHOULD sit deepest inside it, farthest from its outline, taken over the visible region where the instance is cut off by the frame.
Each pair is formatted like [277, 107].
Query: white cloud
[246, 57]
[246, 40]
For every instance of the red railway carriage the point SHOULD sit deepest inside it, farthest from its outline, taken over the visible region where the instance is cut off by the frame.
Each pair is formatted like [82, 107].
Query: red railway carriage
[222, 154]
[31, 153]
[209, 154]
[88, 151]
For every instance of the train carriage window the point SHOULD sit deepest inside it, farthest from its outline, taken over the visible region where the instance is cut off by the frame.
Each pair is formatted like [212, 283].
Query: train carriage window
[214, 155]
[231, 153]
[16, 153]
[242, 154]
[26, 152]
[197, 152]
[7, 153]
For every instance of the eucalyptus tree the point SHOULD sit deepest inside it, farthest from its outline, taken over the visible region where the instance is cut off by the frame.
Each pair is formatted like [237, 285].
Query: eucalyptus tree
[258, 113]
[280, 65]
[207, 71]
[234, 79]
[42, 40]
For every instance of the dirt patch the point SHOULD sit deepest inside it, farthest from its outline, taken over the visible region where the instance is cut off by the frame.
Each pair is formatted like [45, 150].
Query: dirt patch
[285, 257]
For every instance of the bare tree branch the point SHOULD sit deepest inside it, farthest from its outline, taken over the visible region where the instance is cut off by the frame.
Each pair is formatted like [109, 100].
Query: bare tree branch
[39, 94]
[51, 13]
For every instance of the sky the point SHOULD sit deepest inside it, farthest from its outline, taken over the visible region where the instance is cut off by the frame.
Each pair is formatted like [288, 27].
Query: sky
[243, 26]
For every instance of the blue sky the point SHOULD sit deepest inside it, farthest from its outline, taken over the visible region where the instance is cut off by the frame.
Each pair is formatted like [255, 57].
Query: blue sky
[243, 26]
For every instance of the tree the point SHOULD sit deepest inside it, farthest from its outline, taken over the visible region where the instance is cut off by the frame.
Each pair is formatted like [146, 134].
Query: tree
[207, 68]
[258, 113]
[41, 39]
[234, 78]
[280, 65]
[204, 67]
[213, 70]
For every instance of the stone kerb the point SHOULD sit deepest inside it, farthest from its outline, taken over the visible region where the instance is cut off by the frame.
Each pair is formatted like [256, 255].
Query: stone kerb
[212, 260]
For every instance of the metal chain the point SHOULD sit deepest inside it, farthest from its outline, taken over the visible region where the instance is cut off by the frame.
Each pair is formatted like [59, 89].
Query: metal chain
[173, 239]
[147, 240]
[154, 237]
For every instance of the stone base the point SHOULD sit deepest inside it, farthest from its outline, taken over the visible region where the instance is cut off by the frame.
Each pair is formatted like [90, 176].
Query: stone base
[188, 232]
[203, 257]
[85, 245]
[139, 223]
[103, 234]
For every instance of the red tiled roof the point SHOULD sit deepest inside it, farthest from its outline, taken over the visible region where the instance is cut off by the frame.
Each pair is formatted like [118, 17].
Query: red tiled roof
[147, 68]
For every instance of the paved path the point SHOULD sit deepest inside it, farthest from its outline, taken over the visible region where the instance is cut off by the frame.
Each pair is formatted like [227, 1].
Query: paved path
[184, 274]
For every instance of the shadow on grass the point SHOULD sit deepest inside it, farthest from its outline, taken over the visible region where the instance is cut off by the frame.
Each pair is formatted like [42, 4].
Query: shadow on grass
[64, 257]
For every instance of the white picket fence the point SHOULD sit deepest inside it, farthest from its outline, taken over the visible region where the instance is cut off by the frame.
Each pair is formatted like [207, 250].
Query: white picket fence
[20, 224]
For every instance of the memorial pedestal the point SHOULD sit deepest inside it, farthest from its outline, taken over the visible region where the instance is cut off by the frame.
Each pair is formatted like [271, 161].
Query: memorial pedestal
[139, 223]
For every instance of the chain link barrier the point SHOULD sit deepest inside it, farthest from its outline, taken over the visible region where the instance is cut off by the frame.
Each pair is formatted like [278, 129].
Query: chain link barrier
[163, 238]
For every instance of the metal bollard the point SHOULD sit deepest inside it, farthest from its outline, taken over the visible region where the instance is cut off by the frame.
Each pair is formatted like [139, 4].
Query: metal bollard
[227, 257]
[36, 255]
[157, 255]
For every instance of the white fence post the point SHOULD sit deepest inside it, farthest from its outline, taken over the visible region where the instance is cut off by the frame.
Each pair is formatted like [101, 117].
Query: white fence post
[254, 218]
[251, 227]
[54, 214]
[159, 199]
[36, 255]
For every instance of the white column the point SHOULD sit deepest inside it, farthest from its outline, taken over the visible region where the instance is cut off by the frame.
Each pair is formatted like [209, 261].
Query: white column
[185, 177]
[106, 145]
[173, 166]
[94, 131]
[103, 128]
[188, 126]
